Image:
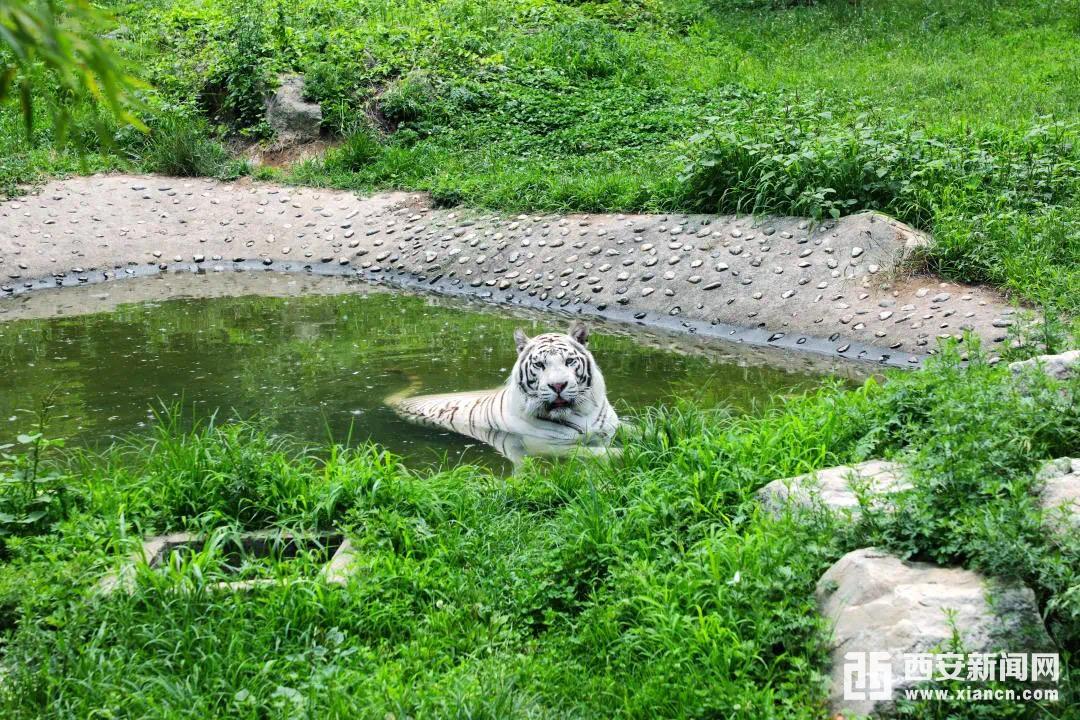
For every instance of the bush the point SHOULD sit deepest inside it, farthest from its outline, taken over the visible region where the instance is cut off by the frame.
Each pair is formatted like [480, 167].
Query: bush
[179, 143]
[359, 150]
[1003, 207]
[582, 50]
[245, 72]
[408, 98]
[654, 586]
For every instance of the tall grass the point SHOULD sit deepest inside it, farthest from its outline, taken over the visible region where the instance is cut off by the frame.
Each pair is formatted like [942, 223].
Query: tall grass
[178, 143]
[650, 587]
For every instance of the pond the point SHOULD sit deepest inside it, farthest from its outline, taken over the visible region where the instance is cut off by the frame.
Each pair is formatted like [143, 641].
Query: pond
[319, 366]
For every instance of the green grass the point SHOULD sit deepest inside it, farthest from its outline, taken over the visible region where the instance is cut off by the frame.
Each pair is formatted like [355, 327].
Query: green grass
[652, 588]
[954, 115]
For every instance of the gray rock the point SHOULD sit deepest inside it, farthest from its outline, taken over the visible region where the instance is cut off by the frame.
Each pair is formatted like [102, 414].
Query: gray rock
[836, 489]
[1060, 367]
[878, 603]
[1059, 493]
[293, 119]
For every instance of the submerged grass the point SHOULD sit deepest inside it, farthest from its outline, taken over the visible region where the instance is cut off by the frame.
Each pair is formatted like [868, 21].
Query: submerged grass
[653, 587]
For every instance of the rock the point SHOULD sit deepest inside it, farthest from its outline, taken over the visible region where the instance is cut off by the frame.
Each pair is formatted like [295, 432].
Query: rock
[293, 119]
[1059, 367]
[1059, 493]
[835, 488]
[878, 603]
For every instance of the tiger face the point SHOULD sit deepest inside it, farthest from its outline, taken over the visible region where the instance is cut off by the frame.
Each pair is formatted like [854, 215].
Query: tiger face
[555, 373]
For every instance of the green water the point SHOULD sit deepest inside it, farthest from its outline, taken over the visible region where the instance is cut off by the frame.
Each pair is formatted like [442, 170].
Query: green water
[316, 367]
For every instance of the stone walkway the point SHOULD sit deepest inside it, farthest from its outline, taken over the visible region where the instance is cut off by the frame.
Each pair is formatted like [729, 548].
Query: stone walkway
[835, 288]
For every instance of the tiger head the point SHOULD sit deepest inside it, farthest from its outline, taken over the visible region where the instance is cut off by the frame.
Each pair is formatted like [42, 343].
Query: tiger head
[556, 375]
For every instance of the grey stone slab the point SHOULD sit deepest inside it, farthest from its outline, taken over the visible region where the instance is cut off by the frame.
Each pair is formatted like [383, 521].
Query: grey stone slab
[878, 603]
[837, 488]
[1058, 485]
[154, 552]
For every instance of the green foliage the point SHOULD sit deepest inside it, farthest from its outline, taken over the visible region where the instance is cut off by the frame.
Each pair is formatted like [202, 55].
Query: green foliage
[408, 98]
[244, 73]
[654, 586]
[1050, 332]
[780, 153]
[177, 143]
[1003, 207]
[79, 64]
[581, 50]
[33, 499]
[359, 150]
[973, 469]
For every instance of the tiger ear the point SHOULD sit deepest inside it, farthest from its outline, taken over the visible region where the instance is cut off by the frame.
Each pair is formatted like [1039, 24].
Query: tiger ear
[521, 339]
[579, 333]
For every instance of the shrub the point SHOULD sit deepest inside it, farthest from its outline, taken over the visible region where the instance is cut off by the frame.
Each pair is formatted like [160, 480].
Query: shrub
[359, 150]
[408, 98]
[582, 49]
[1003, 206]
[34, 495]
[179, 143]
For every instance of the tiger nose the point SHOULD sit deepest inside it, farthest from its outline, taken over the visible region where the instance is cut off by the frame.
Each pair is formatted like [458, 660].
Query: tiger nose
[557, 387]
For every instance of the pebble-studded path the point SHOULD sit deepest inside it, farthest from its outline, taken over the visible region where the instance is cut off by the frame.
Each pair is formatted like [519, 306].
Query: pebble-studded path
[835, 288]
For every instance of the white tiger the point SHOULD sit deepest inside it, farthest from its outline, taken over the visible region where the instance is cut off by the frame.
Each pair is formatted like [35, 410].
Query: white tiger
[554, 400]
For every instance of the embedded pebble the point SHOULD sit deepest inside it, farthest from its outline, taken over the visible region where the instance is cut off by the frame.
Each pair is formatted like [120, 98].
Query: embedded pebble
[429, 242]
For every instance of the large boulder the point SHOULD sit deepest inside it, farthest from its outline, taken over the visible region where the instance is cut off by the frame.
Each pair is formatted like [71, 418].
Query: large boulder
[879, 603]
[836, 488]
[1059, 493]
[1060, 367]
[293, 119]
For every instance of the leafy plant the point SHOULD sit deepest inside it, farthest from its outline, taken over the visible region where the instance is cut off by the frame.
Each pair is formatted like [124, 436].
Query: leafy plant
[179, 143]
[1048, 332]
[32, 498]
[407, 98]
[360, 149]
[652, 586]
[62, 40]
[244, 74]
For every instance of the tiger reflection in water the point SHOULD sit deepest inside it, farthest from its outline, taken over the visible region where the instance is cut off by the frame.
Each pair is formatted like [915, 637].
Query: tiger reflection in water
[554, 402]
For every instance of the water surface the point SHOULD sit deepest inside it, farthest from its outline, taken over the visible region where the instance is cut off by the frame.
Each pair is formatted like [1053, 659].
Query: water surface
[318, 367]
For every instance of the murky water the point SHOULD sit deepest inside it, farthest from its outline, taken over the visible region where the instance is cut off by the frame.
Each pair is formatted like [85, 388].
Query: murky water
[317, 367]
